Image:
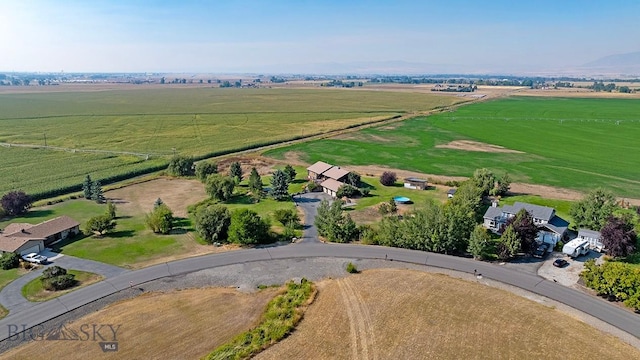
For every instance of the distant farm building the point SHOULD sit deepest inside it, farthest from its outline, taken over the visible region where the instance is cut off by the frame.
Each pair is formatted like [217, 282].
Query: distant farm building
[330, 177]
[451, 193]
[415, 183]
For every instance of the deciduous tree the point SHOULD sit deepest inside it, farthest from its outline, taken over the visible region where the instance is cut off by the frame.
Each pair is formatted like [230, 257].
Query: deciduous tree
[204, 169]
[388, 178]
[619, 237]
[510, 243]
[100, 225]
[181, 166]
[220, 187]
[484, 180]
[354, 179]
[526, 230]
[160, 220]
[15, 202]
[479, 242]
[248, 228]
[212, 223]
[593, 210]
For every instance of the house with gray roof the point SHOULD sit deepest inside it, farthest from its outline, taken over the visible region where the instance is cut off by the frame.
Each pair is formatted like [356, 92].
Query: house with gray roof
[551, 227]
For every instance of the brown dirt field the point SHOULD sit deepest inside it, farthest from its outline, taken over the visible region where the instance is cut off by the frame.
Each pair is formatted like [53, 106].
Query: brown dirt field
[185, 324]
[405, 314]
[468, 145]
[176, 193]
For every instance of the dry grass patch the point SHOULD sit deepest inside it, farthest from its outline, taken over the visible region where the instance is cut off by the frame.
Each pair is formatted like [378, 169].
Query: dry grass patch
[469, 145]
[185, 324]
[176, 193]
[403, 314]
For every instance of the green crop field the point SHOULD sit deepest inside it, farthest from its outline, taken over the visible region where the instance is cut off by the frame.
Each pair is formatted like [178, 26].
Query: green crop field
[570, 143]
[161, 122]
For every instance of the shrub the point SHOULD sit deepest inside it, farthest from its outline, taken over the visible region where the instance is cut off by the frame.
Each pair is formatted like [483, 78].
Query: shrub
[53, 271]
[204, 169]
[347, 190]
[352, 269]
[59, 282]
[388, 178]
[248, 228]
[160, 220]
[220, 187]
[287, 217]
[312, 186]
[365, 191]
[100, 225]
[9, 261]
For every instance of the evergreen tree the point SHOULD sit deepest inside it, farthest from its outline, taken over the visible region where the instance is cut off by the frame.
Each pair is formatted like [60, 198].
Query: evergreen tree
[86, 187]
[158, 203]
[235, 171]
[255, 182]
[279, 186]
[290, 172]
[510, 242]
[96, 192]
[478, 242]
[111, 210]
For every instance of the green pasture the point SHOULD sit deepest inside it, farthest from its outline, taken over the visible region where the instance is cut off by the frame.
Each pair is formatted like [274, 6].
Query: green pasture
[570, 143]
[129, 244]
[161, 122]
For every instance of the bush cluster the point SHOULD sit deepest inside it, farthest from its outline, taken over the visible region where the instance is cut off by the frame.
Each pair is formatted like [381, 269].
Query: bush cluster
[388, 178]
[56, 278]
[352, 269]
[9, 261]
[615, 280]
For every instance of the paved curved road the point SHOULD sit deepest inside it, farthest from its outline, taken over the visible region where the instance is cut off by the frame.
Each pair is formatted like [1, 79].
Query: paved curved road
[618, 317]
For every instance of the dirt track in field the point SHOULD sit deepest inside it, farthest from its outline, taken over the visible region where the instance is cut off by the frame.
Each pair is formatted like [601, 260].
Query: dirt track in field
[405, 314]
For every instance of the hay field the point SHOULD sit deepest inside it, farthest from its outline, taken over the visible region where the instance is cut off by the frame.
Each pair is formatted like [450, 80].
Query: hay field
[402, 314]
[163, 121]
[185, 324]
[567, 143]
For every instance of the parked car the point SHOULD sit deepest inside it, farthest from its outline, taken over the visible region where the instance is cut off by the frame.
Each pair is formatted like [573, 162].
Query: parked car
[560, 263]
[541, 251]
[34, 258]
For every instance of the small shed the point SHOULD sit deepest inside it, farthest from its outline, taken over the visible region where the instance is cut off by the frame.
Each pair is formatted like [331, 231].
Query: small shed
[415, 183]
[450, 193]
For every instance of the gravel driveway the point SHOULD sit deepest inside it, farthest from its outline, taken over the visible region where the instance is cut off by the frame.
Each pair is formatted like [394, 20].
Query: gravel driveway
[569, 274]
[309, 203]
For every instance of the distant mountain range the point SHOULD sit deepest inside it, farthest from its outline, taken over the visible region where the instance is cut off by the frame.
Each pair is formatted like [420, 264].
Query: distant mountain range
[619, 64]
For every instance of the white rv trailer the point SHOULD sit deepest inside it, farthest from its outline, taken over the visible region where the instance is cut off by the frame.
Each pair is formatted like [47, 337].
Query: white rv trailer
[576, 247]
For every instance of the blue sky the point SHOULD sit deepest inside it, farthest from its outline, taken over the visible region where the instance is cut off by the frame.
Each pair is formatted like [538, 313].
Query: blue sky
[282, 36]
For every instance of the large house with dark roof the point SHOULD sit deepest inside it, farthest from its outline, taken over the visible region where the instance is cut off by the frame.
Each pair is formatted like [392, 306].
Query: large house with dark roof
[552, 228]
[23, 238]
[330, 177]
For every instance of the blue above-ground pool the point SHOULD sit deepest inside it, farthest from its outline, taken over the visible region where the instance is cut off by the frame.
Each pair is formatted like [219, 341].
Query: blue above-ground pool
[401, 199]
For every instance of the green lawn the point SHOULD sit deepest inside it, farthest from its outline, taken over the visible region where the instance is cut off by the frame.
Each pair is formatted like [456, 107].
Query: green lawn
[33, 290]
[569, 143]
[7, 276]
[131, 243]
[159, 122]
[380, 193]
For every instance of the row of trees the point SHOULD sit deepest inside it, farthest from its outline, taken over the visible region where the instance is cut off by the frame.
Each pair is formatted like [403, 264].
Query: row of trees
[216, 224]
[92, 190]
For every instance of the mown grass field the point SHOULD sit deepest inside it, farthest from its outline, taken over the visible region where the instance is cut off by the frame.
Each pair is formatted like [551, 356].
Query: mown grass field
[160, 122]
[570, 143]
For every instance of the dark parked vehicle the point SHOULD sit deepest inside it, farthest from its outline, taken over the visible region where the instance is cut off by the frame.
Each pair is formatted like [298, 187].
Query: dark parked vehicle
[541, 251]
[560, 263]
